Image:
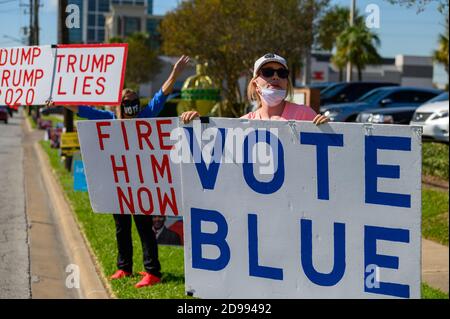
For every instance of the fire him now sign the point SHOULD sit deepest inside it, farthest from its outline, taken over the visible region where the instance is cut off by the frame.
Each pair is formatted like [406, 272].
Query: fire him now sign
[67, 74]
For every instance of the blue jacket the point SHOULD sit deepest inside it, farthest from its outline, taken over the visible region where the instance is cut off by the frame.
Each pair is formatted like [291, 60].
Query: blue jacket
[151, 110]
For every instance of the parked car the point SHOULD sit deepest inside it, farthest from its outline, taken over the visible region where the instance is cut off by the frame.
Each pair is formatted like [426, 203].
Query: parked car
[390, 115]
[395, 115]
[391, 96]
[345, 92]
[321, 86]
[4, 114]
[51, 110]
[433, 117]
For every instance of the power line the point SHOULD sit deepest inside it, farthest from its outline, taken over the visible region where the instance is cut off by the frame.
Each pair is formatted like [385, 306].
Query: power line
[7, 1]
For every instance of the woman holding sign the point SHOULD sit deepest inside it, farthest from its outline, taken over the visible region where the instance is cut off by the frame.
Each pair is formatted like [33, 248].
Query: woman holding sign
[269, 88]
[130, 108]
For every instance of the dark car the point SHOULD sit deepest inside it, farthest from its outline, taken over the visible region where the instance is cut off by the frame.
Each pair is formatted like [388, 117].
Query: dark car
[321, 86]
[344, 92]
[4, 114]
[395, 115]
[51, 110]
[386, 97]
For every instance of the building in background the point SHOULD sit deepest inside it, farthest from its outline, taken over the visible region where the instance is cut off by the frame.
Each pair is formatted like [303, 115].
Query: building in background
[403, 69]
[104, 19]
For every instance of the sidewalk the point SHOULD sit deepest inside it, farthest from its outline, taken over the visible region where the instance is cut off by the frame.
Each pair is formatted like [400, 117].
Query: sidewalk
[76, 248]
[435, 265]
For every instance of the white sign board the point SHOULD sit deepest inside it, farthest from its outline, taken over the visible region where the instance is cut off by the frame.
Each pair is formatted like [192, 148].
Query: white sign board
[67, 74]
[128, 167]
[25, 75]
[272, 209]
[334, 213]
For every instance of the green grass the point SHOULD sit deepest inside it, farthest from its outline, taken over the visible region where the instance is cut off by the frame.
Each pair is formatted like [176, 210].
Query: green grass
[435, 215]
[100, 231]
[53, 118]
[435, 159]
[431, 293]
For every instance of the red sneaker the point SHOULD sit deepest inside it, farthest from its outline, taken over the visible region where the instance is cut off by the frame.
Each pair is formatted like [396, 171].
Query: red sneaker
[120, 274]
[148, 280]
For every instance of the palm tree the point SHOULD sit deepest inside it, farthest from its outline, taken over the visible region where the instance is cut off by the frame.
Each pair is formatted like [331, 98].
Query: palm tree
[358, 45]
[441, 54]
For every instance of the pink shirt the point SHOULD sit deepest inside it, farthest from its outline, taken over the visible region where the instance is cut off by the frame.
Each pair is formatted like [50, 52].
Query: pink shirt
[291, 112]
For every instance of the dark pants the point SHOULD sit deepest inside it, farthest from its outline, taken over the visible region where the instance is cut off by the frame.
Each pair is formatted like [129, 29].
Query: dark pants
[125, 245]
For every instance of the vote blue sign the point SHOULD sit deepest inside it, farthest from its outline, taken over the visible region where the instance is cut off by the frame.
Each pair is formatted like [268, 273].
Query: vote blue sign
[79, 179]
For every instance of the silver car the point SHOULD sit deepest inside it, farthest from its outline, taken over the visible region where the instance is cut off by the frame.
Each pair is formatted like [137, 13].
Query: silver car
[433, 117]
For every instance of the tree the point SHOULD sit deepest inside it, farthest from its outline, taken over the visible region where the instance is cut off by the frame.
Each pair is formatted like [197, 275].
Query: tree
[231, 34]
[441, 54]
[334, 21]
[142, 60]
[357, 44]
[442, 4]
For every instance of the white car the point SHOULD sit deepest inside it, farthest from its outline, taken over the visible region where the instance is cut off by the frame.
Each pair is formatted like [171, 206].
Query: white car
[433, 117]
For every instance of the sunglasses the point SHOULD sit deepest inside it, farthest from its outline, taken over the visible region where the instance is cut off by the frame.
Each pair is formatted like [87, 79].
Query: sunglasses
[269, 72]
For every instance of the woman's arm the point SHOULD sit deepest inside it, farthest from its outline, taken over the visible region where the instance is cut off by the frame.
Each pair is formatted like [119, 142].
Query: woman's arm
[157, 102]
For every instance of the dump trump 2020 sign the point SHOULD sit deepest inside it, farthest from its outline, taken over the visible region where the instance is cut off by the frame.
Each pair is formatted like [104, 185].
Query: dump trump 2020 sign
[66, 74]
[294, 210]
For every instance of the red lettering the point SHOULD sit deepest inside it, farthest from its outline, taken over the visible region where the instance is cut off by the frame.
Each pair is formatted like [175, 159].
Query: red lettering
[38, 75]
[71, 60]
[75, 85]
[164, 201]
[148, 211]
[26, 55]
[138, 162]
[5, 76]
[60, 92]
[100, 85]
[122, 198]
[36, 53]
[59, 58]
[86, 85]
[165, 166]
[123, 168]
[97, 64]
[124, 135]
[144, 135]
[163, 134]
[87, 59]
[101, 135]
[109, 60]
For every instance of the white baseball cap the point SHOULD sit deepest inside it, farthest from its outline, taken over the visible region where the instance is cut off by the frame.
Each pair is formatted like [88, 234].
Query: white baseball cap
[266, 58]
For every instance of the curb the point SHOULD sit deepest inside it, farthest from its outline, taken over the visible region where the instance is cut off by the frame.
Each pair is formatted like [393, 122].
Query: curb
[93, 285]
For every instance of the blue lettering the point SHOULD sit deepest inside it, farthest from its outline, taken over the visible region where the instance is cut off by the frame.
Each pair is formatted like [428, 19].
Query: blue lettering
[278, 154]
[371, 235]
[255, 269]
[373, 170]
[217, 239]
[322, 141]
[338, 271]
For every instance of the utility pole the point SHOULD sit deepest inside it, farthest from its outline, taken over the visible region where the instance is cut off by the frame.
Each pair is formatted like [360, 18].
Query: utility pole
[31, 27]
[63, 38]
[352, 22]
[36, 22]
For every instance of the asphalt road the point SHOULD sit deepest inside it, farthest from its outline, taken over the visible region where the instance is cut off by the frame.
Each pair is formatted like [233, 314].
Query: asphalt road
[14, 253]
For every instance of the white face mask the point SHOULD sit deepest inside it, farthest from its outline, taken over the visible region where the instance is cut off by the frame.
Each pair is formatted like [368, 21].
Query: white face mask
[272, 97]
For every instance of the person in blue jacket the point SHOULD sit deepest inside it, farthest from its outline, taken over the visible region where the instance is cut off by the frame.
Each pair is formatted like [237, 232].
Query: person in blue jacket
[130, 108]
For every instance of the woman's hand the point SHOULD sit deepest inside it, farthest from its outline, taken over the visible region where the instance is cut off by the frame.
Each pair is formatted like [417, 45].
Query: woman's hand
[188, 116]
[180, 65]
[320, 119]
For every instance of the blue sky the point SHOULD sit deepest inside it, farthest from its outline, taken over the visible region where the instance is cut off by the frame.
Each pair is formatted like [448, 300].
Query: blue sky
[402, 30]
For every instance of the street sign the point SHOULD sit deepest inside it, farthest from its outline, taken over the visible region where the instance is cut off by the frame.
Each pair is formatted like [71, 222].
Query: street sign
[69, 143]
